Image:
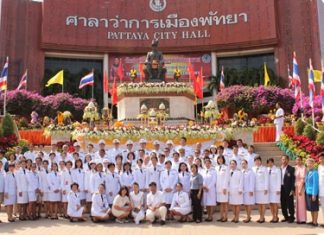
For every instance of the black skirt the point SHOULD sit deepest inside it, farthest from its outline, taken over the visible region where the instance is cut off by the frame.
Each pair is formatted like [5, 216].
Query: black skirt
[312, 205]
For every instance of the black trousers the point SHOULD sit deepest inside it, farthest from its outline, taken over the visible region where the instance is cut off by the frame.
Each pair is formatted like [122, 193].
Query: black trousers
[196, 205]
[287, 204]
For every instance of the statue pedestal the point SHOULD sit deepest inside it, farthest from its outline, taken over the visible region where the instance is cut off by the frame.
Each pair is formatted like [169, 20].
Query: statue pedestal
[179, 107]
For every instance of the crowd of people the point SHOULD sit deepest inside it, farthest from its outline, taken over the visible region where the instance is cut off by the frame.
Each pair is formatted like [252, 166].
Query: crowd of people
[157, 185]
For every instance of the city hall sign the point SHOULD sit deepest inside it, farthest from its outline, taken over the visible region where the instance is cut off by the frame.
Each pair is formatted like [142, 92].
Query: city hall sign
[109, 25]
[163, 29]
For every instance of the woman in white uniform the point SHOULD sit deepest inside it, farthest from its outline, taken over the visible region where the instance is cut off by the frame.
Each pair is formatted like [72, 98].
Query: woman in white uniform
[112, 183]
[137, 203]
[209, 188]
[235, 190]
[140, 175]
[66, 181]
[87, 184]
[75, 210]
[184, 177]
[22, 190]
[78, 176]
[180, 205]
[10, 191]
[222, 182]
[97, 178]
[248, 189]
[45, 187]
[127, 178]
[261, 187]
[54, 183]
[274, 189]
[33, 191]
[121, 207]
[100, 210]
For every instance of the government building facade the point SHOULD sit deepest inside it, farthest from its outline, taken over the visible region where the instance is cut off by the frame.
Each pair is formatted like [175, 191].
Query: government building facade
[80, 35]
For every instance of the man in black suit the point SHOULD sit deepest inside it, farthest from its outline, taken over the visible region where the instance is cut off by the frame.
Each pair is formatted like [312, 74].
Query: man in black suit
[287, 190]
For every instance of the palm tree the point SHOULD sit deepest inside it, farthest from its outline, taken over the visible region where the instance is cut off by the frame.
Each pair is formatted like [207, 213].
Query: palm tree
[213, 85]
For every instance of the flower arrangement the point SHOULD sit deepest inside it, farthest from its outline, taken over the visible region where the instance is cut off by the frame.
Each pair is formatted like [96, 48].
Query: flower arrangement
[154, 88]
[177, 74]
[300, 145]
[8, 141]
[194, 133]
[59, 130]
[258, 100]
[307, 109]
[23, 103]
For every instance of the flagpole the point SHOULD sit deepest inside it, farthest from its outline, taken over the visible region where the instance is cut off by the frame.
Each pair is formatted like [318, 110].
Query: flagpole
[5, 102]
[92, 87]
[26, 79]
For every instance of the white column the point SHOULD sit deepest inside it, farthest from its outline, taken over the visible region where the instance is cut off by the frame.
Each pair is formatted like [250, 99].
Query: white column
[105, 69]
[214, 73]
[213, 63]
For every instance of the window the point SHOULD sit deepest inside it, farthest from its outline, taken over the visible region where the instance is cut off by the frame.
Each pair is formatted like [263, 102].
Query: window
[74, 70]
[247, 70]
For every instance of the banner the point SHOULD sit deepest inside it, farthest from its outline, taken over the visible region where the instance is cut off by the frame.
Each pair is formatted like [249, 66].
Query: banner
[172, 61]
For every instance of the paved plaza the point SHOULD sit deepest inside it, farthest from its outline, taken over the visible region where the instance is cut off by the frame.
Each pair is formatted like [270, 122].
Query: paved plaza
[62, 227]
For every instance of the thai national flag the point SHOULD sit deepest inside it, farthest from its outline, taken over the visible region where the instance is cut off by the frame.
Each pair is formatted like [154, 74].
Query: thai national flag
[23, 81]
[222, 80]
[296, 78]
[311, 85]
[87, 80]
[4, 76]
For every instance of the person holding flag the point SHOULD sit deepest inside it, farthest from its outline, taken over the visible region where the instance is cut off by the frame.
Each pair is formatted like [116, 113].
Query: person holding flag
[23, 81]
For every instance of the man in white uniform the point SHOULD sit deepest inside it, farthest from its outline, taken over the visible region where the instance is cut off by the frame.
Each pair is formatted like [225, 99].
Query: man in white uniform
[279, 121]
[155, 205]
[30, 154]
[113, 152]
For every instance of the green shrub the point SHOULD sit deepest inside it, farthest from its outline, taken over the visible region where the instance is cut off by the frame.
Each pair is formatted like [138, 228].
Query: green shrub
[7, 126]
[299, 127]
[320, 138]
[309, 132]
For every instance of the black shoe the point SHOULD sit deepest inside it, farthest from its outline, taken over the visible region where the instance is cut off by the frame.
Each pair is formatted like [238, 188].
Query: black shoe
[322, 225]
[284, 220]
[301, 222]
[162, 222]
[315, 225]
[290, 221]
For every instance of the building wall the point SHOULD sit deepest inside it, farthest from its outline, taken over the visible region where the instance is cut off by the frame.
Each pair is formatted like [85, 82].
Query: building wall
[21, 28]
[298, 31]
[20, 38]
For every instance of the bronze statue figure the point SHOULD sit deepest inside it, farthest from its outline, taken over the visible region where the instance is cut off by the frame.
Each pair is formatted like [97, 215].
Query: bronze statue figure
[154, 64]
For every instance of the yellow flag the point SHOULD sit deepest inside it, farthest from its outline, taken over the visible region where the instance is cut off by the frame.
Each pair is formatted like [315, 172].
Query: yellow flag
[317, 75]
[57, 79]
[266, 76]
